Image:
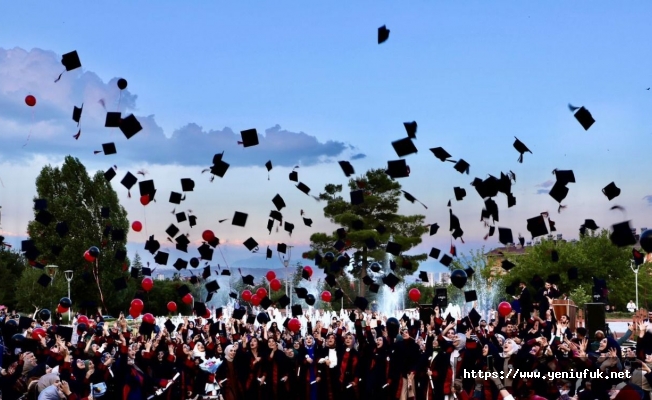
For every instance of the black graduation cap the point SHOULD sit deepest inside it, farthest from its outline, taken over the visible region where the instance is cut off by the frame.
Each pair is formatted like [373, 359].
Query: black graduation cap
[537, 226]
[65, 332]
[611, 191]
[134, 272]
[107, 149]
[239, 219]
[248, 280]
[297, 310]
[469, 272]
[120, 255]
[553, 278]
[404, 147]
[307, 222]
[411, 129]
[371, 243]
[383, 34]
[622, 235]
[129, 180]
[397, 169]
[212, 286]
[249, 138]
[446, 260]
[357, 224]
[112, 119]
[146, 271]
[268, 253]
[434, 228]
[226, 272]
[367, 280]
[391, 280]
[440, 153]
[393, 248]
[130, 126]
[265, 303]
[219, 168]
[183, 290]
[558, 192]
[278, 201]
[564, 177]
[152, 245]
[205, 252]
[120, 284]
[470, 296]
[434, 253]
[169, 326]
[583, 116]
[238, 313]
[537, 282]
[505, 236]
[462, 166]
[294, 176]
[361, 303]
[284, 301]
[183, 242]
[347, 168]
[76, 113]
[181, 216]
[357, 197]
[44, 217]
[180, 264]
[105, 212]
[374, 288]
[62, 228]
[281, 248]
[573, 273]
[521, 148]
[507, 265]
[175, 198]
[302, 293]
[269, 167]
[423, 276]
[474, 317]
[460, 193]
[412, 199]
[109, 174]
[161, 258]
[330, 279]
[303, 187]
[70, 61]
[40, 204]
[192, 220]
[44, 280]
[554, 256]
[187, 185]
[590, 224]
[172, 231]
[289, 227]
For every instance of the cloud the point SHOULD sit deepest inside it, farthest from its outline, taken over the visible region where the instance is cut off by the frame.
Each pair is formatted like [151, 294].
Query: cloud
[52, 128]
[543, 191]
[546, 184]
[648, 198]
[358, 156]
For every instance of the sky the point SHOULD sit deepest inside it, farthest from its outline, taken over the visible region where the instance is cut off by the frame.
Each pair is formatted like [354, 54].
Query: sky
[314, 82]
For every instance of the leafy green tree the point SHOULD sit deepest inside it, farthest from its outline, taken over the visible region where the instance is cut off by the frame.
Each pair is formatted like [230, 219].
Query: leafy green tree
[31, 294]
[595, 256]
[380, 207]
[75, 198]
[137, 263]
[12, 265]
[348, 286]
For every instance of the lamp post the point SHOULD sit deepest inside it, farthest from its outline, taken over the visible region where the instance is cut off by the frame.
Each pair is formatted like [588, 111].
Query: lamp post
[635, 268]
[69, 278]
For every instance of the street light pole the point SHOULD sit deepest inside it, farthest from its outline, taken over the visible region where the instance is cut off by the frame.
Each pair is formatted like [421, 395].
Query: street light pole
[69, 278]
[635, 268]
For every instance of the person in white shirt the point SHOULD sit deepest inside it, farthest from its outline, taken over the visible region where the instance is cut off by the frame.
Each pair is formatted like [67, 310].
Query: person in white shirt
[631, 307]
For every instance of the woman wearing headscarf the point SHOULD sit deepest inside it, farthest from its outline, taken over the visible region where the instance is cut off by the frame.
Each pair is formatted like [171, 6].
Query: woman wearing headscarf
[378, 378]
[308, 371]
[136, 384]
[349, 376]
[227, 377]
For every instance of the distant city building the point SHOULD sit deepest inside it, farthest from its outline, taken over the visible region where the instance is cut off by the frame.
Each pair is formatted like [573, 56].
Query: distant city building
[445, 278]
[160, 277]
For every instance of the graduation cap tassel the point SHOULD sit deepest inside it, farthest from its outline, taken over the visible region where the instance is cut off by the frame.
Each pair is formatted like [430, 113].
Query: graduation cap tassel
[96, 273]
[520, 159]
[59, 77]
[77, 135]
[30, 128]
[97, 151]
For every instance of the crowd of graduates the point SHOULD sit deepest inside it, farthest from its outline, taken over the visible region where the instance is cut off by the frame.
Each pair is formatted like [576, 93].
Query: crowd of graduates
[351, 355]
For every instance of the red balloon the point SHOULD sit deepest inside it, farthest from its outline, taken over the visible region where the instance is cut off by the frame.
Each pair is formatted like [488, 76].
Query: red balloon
[207, 314]
[134, 313]
[187, 299]
[39, 333]
[308, 270]
[88, 257]
[82, 319]
[137, 304]
[137, 226]
[246, 295]
[208, 235]
[271, 275]
[255, 300]
[149, 319]
[504, 309]
[147, 284]
[326, 296]
[414, 294]
[144, 199]
[294, 325]
[172, 306]
[30, 100]
[261, 292]
[275, 285]
[61, 309]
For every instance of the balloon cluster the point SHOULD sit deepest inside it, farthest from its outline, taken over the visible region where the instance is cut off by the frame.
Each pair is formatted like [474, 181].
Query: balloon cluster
[64, 305]
[136, 308]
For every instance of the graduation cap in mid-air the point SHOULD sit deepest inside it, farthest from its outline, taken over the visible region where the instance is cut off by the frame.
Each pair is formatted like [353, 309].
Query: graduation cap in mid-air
[583, 116]
[70, 61]
[383, 34]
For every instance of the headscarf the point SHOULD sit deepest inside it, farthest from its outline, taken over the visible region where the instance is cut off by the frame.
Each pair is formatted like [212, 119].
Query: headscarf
[46, 381]
[227, 351]
[50, 393]
[201, 354]
[462, 343]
